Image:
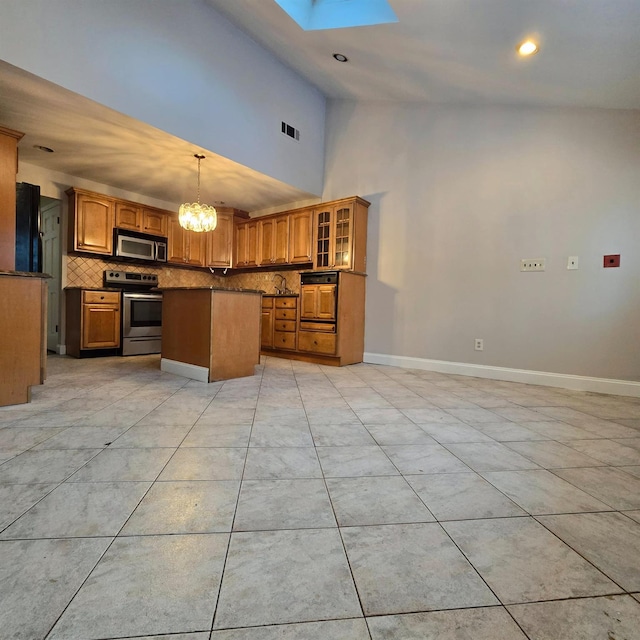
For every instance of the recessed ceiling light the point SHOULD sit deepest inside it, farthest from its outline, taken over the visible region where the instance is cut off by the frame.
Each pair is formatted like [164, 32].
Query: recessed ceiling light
[527, 48]
[340, 57]
[41, 148]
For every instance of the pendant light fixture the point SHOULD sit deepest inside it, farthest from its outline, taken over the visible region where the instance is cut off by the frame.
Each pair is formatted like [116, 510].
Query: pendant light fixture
[195, 216]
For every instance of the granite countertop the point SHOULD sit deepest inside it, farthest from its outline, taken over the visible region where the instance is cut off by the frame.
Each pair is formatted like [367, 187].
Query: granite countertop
[94, 288]
[24, 274]
[209, 289]
[281, 295]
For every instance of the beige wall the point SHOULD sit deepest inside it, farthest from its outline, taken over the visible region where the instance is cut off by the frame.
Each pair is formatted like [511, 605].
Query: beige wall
[460, 195]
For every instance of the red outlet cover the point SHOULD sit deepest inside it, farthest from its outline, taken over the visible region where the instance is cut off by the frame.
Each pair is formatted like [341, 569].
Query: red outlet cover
[611, 261]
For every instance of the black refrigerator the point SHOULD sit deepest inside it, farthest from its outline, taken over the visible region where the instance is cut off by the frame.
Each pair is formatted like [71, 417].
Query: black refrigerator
[28, 228]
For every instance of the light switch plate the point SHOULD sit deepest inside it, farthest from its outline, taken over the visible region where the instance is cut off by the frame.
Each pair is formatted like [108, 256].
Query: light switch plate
[572, 262]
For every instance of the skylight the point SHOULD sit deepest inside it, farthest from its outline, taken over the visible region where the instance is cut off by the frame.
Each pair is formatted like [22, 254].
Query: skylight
[313, 15]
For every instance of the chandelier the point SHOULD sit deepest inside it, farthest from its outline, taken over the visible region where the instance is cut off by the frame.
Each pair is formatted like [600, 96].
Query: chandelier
[194, 216]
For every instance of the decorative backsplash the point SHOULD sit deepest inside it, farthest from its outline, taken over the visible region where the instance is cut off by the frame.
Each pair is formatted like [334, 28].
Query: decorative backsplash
[87, 272]
[84, 271]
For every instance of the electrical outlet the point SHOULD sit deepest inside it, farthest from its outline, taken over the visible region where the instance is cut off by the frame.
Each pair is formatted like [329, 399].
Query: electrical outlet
[479, 344]
[572, 262]
[611, 261]
[536, 264]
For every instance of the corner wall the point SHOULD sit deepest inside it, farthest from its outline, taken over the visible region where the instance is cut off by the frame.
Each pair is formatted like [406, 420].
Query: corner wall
[461, 195]
[180, 66]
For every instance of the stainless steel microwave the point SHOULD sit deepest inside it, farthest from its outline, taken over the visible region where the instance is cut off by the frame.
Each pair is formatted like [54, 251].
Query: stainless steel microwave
[139, 246]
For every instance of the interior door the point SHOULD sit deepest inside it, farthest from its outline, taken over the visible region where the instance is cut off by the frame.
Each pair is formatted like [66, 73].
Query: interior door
[51, 264]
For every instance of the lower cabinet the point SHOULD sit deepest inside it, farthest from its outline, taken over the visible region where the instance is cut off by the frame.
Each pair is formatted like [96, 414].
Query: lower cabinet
[93, 322]
[279, 320]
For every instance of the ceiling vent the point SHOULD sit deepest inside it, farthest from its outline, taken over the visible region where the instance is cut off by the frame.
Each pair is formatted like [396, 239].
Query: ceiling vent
[290, 131]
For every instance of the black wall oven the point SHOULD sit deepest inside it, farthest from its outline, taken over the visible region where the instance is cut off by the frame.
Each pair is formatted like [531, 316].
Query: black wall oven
[141, 311]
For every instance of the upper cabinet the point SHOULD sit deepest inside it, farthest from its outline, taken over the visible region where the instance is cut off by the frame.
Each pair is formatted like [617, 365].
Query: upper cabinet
[340, 235]
[91, 222]
[273, 240]
[300, 236]
[220, 242]
[246, 244]
[185, 247]
[136, 218]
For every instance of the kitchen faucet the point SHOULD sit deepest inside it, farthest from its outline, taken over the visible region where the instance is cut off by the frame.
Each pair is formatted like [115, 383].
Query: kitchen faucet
[283, 283]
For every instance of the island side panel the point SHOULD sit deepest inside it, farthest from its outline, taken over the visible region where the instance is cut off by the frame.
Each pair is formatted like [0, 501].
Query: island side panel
[351, 304]
[235, 334]
[186, 322]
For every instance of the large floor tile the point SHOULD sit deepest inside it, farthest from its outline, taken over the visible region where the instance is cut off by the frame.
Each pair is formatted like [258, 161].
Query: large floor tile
[633, 470]
[556, 430]
[462, 496]
[399, 434]
[610, 541]
[349, 462]
[434, 416]
[411, 567]
[218, 436]
[428, 458]
[275, 577]
[538, 492]
[26, 437]
[523, 562]
[113, 465]
[507, 432]
[490, 456]
[131, 593]
[607, 451]
[282, 462]
[340, 435]
[553, 455]
[83, 438]
[44, 466]
[453, 432]
[354, 629]
[609, 618]
[485, 623]
[38, 579]
[283, 504]
[150, 436]
[281, 435]
[185, 507]
[15, 499]
[614, 487]
[205, 464]
[375, 500]
[80, 509]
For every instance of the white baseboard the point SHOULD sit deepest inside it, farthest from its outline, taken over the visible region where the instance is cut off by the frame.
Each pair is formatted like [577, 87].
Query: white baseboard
[561, 380]
[201, 374]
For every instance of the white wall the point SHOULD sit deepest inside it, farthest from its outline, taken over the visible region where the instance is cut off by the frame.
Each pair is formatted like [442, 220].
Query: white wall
[460, 195]
[179, 66]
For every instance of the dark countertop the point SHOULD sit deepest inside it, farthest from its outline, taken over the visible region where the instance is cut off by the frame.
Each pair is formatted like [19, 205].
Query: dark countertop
[94, 289]
[24, 274]
[281, 295]
[228, 289]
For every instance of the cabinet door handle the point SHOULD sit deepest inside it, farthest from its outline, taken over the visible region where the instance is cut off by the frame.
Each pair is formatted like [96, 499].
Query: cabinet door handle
[101, 297]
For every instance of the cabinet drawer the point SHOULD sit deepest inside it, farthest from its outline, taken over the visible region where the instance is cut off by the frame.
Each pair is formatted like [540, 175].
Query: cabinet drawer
[282, 340]
[324, 327]
[267, 303]
[285, 325]
[286, 314]
[101, 297]
[286, 303]
[317, 342]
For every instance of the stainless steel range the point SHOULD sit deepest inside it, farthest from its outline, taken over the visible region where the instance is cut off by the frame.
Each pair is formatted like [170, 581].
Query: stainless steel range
[141, 311]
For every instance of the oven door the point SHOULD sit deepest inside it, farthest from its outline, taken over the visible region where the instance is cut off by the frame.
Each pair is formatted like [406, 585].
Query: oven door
[141, 315]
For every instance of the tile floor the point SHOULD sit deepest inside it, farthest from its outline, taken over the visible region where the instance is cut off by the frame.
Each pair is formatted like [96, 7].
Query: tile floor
[310, 502]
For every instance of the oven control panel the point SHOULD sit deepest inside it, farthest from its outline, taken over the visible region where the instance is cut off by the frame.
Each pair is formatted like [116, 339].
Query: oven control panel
[130, 278]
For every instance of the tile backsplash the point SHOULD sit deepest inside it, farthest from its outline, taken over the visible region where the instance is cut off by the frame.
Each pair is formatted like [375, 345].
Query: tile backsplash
[87, 272]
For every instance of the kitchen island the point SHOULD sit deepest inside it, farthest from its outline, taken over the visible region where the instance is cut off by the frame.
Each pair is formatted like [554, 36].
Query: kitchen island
[209, 333]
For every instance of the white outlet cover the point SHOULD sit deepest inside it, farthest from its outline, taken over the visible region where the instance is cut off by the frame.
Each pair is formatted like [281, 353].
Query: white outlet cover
[572, 262]
[479, 344]
[532, 264]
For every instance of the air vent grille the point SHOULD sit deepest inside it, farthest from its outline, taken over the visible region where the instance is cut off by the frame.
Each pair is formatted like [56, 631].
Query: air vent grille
[290, 131]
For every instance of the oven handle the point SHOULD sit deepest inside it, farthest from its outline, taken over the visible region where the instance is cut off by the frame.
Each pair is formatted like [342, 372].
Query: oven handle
[142, 296]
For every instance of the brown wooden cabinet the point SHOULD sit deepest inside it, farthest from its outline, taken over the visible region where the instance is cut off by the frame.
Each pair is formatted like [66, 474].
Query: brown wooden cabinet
[340, 235]
[247, 244]
[185, 247]
[273, 240]
[93, 320]
[300, 236]
[8, 170]
[220, 242]
[128, 216]
[91, 222]
[318, 302]
[155, 222]
[279, 322]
